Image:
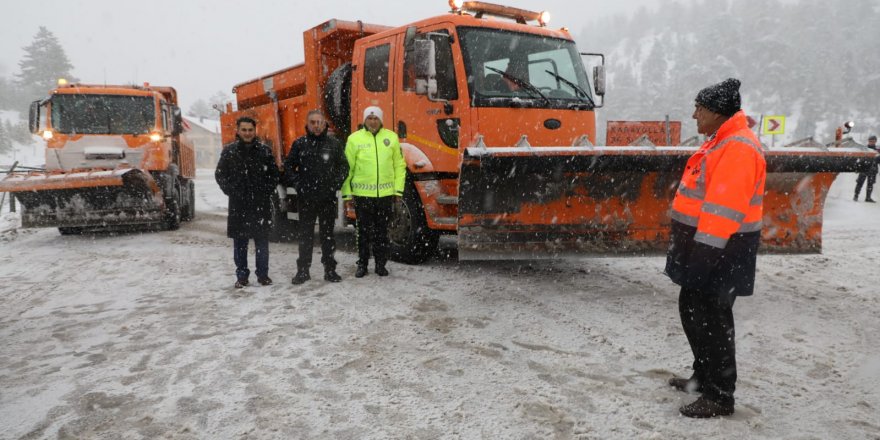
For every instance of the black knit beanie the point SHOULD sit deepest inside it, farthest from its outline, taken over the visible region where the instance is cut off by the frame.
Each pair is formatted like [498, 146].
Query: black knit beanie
[722, 98]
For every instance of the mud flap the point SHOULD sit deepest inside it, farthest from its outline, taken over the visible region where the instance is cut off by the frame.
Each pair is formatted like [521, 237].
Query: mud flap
[87, 199]
[552, 202]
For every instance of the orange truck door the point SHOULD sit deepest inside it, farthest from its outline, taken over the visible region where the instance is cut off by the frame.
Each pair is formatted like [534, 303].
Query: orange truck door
[432, 122]
[372, 81]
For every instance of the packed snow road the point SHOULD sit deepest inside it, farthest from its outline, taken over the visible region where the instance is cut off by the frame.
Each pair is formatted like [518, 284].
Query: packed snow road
[143, 336]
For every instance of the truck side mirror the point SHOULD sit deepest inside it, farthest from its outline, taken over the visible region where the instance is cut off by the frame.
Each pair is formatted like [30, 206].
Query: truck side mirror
[34, 117]
[424, 66]
[599, 79]
[177, 126]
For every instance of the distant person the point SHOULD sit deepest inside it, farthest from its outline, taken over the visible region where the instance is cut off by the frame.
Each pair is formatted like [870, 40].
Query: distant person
[316, 166]
[375, 180]
[247, 173]
[716, 229]
[871, 175]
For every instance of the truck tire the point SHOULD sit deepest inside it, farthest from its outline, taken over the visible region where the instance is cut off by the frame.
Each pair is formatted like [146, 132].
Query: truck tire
[172, 210]
[189, 211]
[337, 99]
[412, 242]
[283, 228]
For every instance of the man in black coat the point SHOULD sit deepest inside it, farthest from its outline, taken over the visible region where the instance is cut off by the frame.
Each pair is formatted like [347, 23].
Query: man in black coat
[247, 173]
[870, 175]
[316, 167]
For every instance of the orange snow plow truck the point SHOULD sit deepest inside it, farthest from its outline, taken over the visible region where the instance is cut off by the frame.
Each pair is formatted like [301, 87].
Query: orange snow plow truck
[115, 158]
[495, 112]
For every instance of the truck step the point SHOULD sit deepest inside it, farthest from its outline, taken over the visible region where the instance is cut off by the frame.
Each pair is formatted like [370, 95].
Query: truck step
[447, 200]
[446, 220]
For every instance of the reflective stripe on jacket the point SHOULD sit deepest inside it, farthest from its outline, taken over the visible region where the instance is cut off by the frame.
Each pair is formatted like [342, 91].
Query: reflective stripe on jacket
[722, 190]
[376, 165]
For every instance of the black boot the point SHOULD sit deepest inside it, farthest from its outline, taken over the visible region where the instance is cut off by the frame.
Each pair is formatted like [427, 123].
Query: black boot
[302, 275]
[869, 199]
[856, 198]
[381, 271]
[686, 385]
[331, 275]
[361, 271]
[704, 408]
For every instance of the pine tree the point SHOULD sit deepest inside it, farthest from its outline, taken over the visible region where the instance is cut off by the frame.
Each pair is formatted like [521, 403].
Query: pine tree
[43, 64]
[5, 94]
[199, 109]
[218, 99]
[5, 141]
[19, 132]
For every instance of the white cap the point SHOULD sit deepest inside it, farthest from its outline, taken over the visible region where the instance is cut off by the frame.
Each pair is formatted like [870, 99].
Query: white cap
[373, 111]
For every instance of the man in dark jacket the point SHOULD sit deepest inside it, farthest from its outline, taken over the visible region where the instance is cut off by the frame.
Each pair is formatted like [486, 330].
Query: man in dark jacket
[247, 173]
[716, 229]
[871, 175]
[316, 167]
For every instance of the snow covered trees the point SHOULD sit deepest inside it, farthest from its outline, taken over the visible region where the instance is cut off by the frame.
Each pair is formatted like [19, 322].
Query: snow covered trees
[43, 64]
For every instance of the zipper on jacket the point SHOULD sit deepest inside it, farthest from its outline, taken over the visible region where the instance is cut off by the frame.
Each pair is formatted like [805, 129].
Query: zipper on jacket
[376, 150]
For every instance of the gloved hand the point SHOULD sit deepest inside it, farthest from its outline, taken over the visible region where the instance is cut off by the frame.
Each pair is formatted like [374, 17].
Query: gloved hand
[700, 264]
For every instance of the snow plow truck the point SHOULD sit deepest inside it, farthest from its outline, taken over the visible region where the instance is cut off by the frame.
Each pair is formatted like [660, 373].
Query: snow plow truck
[116, 158]
[495, 112]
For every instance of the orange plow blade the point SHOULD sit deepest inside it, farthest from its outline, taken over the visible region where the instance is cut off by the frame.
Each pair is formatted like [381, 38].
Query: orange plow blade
[86, 199]
[552, 202]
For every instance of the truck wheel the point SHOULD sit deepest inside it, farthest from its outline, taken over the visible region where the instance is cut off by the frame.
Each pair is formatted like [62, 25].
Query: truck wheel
[172, 211]
[412, 242]
[283, 229]
[189, 211]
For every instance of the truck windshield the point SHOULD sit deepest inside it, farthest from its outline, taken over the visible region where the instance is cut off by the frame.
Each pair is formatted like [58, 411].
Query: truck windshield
[103, 114]
[512, 69]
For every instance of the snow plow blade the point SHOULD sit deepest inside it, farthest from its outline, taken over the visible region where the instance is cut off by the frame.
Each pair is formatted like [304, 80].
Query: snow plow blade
[86, 199]
[553, 202]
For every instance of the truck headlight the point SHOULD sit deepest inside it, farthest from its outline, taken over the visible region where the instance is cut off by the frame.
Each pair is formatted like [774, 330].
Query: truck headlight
[47, 134]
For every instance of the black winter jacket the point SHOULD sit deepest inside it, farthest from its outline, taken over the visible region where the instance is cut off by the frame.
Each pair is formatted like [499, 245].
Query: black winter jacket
[316, 167]
[723, 272]
[247, 173]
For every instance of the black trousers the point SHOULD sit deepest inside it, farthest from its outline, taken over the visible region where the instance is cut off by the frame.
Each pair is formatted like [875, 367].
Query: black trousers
[872, 177]
[325, 212]
[707, 320]
[373, 215]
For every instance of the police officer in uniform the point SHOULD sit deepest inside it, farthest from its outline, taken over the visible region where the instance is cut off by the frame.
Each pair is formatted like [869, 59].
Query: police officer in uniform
[316, 167]
[375, 182]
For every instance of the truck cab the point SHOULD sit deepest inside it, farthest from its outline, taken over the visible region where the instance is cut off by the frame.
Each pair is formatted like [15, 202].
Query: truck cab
[116, 157]
[479, 74]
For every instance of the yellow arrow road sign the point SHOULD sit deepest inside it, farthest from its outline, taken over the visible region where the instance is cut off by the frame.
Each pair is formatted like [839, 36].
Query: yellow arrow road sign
[773, 124]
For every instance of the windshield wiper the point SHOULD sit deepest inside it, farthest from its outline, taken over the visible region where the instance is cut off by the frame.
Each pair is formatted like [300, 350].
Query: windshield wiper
[577, 89]
[521, 82]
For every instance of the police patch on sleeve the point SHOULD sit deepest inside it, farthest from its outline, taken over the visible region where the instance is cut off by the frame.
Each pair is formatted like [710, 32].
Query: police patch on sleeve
[387, 142]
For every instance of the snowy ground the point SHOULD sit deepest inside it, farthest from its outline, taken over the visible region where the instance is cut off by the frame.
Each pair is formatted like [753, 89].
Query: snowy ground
[143, 336]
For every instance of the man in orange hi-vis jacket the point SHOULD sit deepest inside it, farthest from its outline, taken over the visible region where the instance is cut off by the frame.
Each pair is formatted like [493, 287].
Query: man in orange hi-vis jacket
[716, 229]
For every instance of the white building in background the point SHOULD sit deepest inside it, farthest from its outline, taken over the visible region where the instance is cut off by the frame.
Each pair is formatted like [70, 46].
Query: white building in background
[205, 136]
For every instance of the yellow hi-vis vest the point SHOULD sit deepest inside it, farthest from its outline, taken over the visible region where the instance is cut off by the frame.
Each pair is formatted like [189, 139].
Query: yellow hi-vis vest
[376, 165]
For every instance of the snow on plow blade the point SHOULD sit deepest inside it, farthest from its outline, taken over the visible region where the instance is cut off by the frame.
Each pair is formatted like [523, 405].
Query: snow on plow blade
[550, 202]
[86, 199]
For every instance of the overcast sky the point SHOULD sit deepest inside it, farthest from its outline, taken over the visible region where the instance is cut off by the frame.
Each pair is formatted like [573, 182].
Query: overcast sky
[202, 46]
